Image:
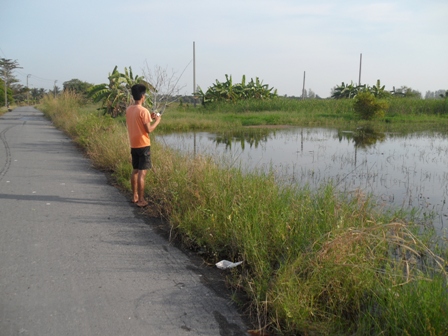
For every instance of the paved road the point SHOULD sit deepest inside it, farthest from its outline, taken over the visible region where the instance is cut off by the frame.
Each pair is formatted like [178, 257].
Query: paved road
[76, 258]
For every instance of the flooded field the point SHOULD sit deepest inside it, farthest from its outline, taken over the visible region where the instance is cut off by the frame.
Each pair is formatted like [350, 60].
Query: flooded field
[408, 172]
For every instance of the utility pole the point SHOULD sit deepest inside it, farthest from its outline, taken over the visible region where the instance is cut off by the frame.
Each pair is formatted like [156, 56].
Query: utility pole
[303, 87]
[194, 74]
[6, 92]
[360, 64]
[27, 90]
[54, 88]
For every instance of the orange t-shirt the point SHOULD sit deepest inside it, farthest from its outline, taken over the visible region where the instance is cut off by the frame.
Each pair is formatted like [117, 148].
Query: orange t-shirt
[136, 117]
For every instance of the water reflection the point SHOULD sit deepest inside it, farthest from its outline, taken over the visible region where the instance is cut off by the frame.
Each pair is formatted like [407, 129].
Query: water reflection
[402, 171]
[363, 137]
[252, 137]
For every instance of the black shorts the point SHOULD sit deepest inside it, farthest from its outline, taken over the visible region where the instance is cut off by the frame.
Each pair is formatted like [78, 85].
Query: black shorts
[141, 158]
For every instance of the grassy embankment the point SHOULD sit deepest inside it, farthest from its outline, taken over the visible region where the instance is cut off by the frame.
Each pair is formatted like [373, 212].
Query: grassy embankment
[3, 110]
[315, 263]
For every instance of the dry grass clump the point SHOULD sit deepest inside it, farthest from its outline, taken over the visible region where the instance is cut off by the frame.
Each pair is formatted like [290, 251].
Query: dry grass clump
[361, 281]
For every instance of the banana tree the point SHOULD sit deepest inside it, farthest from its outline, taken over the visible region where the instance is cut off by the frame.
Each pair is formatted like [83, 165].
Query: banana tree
[347, 90]
[230, 92]
[116, 95]
[379, 91]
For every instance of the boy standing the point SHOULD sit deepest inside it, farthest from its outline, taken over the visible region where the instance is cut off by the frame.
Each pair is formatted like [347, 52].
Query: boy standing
[138, 122]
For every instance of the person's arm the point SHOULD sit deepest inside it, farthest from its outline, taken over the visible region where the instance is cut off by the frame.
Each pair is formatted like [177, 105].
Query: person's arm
[149, 128]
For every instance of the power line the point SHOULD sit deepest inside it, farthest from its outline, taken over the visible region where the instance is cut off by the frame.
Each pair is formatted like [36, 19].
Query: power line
[36, 77]
[45, 79]
[21, 73]
[29, 75]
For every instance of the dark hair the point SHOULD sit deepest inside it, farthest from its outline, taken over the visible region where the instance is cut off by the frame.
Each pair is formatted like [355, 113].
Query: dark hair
[138, 91]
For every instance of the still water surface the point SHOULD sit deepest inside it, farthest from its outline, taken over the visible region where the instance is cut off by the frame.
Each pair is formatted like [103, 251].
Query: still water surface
[401, 171]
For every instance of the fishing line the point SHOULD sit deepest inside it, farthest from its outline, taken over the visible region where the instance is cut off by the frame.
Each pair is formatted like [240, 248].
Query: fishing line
[352, 172]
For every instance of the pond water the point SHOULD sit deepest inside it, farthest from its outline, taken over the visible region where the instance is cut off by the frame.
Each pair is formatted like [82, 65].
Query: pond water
[401, 171]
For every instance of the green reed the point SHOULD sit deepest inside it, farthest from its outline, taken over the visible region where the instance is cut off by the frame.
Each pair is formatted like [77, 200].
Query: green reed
[293, 112]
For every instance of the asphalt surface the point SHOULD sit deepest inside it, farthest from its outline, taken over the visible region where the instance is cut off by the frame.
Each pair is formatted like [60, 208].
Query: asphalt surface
[77, 258]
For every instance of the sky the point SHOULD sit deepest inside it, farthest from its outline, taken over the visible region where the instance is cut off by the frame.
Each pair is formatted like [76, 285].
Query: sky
[402, 42]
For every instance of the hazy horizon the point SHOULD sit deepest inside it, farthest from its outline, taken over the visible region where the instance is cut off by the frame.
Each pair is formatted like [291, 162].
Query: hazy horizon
[403, 43]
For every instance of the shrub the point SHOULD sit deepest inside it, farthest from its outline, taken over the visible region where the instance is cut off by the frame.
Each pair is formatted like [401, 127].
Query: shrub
[367, 107]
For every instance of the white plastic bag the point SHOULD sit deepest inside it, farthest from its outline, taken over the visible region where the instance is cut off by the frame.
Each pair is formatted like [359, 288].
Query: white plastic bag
[225, 264]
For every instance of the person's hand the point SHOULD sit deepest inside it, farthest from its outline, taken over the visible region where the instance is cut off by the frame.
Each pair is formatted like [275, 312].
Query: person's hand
[155, 115]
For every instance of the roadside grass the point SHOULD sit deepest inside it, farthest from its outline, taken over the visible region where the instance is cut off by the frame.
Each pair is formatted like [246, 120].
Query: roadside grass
[4, 109]
[314, 263]
[103, 138]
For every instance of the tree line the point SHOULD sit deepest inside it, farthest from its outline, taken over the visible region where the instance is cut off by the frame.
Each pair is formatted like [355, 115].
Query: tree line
[115, 94]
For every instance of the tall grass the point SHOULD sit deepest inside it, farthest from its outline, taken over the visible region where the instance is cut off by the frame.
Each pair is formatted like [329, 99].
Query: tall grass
[330, 107]
[410, 106]
[314, 263]
[311, 106]
[285, 111]
[311, 112]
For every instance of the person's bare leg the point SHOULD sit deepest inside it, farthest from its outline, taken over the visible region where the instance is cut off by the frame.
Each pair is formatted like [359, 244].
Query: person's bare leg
[134, 185]
[141, 188]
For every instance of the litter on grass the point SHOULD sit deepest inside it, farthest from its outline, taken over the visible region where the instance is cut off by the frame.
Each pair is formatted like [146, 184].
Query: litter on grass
[225, 264]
